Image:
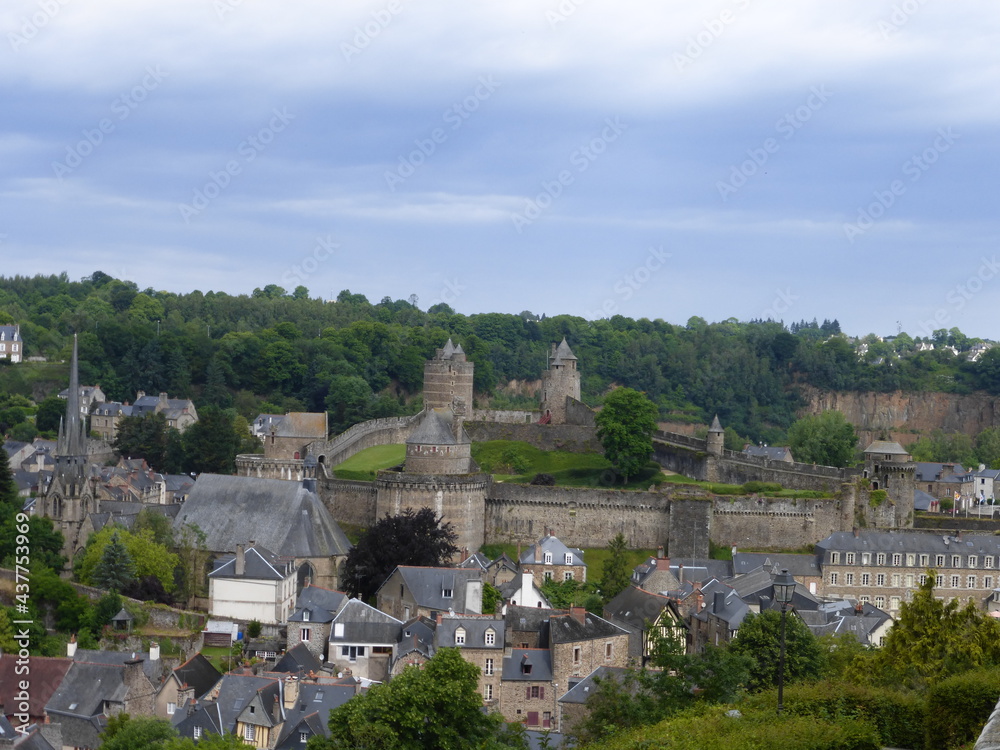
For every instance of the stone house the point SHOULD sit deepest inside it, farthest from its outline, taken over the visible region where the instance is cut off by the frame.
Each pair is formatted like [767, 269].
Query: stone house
[362, 641]
[550, 559]
[11, 345]
[572, 703]
[716, 616]
[581, 642]
[527, 692]
[805, 568]
[413, 591]
[310, 623]
[940, 480]
[179, 412]
[192, 679]
[480, 640]
[415, 646]
[289, 437]
[253, 584]
[32, 738]
[980, 486]
[648, 618]
[769, 452]
[105, 416]
[524, 591]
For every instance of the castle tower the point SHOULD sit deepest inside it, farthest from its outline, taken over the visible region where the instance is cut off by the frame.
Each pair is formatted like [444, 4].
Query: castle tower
[560, 381]
[69, 497]
[716, 437]
[447, 378]
[890, 468]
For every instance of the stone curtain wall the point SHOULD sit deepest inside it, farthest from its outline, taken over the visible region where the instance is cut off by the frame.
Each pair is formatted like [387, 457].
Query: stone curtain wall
[505, 417]
[776, 523]
[548, 437]
[349, 501]
[387, 431]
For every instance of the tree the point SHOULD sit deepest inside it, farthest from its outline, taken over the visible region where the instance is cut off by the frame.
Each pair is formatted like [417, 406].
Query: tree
[759, 637]
[148, 557]
[491, 598]
[50, 412]
[143, 436]
[436, 706]
[125, 733]
[625, 426]
[616, 574]
[827, 439]
[211, 443]
[411, 538]
[115, 570]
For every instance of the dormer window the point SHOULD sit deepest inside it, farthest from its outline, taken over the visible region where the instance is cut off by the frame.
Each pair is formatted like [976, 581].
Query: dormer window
[305, 615]
[526, 667]
[460, 637]
[548, 558]
[490, 637]
[569, 558]
[446, 593]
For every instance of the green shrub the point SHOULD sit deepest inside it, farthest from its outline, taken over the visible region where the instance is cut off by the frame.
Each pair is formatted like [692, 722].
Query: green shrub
[897, 717]
[762, 487]
[959, 707]
[877, 497]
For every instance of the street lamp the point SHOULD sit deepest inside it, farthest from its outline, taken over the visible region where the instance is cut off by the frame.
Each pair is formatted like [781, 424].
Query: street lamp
[784, 588]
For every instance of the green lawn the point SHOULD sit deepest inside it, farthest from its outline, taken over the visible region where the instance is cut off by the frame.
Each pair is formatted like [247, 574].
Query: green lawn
[364, 465]
[219, 657]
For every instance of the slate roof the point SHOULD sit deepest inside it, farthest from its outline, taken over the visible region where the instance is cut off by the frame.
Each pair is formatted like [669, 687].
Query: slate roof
[888, 541]
[435, 429]
[86, 687]
[153, 669]
[297, 659]
[477, 560]
[426, 586]
[312, 725]
[12, 447]
[204, 714]
[30, 740]
[562, 352]
[583, 689]
[566, 628]
[235, 693]
[312, 710]
[475, 632]
[300, 424]
[772, 452]
[551, 543]
[47, 672]
[540, 660]
[281, 515]
[716, 425]
[531, 620]
[799, 566]
[417, 636]
[730, 607]
[757, 587]
[922, 500]
[931, 472]
[837, 618]
[886, 446]
[635, 607]
[364, 624]
[111, 409]
[260, 564]
[198, 673]
[700, 568]
[321, 604]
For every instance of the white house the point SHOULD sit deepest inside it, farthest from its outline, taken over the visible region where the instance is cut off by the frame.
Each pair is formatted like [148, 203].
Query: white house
[11, 346]
[523, 592]
[253, 584]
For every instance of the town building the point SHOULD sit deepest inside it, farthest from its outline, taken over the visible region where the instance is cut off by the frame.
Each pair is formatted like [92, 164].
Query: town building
[11, 345]
[254, 584]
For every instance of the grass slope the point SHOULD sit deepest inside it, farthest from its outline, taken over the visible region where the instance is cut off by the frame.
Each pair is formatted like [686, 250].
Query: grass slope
[363, 466]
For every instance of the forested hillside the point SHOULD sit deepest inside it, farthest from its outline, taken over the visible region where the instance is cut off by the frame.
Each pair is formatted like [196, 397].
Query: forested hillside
[277, 351]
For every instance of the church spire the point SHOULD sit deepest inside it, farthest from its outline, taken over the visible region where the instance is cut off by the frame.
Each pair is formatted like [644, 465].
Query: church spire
[71, 435]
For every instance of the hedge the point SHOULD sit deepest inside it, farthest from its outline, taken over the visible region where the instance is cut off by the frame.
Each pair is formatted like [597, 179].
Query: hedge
[959, 707]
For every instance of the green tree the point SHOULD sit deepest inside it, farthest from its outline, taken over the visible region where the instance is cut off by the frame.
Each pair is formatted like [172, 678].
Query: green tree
[193, 558]
[50, 412]
[491, 597]
[625, 426]
[436, 706]
[827, 439]
[759, 637]
[211, 443]
[148, 557]
[115, 570]
[126, 733]
[616, 573]
[411, 538]
[143, 436]
[7, 643]
[207, 742]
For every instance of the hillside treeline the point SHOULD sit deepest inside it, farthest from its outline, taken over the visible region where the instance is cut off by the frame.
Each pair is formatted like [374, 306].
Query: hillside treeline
[279, 351]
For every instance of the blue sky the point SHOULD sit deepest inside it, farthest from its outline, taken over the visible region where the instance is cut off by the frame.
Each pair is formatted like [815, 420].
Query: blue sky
[742, 158]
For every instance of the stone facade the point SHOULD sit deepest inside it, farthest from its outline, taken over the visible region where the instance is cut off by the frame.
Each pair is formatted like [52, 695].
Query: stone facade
[448, 377]
[560, 383]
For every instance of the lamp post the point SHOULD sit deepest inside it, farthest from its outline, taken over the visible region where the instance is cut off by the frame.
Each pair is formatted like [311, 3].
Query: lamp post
[784, 588]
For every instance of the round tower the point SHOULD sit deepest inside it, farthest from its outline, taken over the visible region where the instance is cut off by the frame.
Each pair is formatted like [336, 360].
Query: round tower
[448, 377]
[560, 381]
[716, 440]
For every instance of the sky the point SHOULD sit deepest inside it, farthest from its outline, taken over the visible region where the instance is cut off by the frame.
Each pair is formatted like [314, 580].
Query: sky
[736, 159]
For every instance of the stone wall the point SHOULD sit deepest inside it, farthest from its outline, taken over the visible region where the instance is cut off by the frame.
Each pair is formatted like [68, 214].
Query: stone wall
[579, 413]
[257, 465]
[565, 437]
[505, 416]
[774, 523]
[680, 459]
[349, 501]
[387, 431]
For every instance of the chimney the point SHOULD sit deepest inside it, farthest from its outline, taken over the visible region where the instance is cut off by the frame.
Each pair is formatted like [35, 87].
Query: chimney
[680, 572]
[154, 651]
[276, 710]
[71, 646]
[474, 597]
[251, 543]
[718, 601]
[185, 693]
[538, 553]
[241, 561]
[192, 706]
[291, 692]
[163, 399]
[579, 614]
[527, 581]
[439, 617]
[135, 679]
[856, 532]
[139, 394]
[659, 552]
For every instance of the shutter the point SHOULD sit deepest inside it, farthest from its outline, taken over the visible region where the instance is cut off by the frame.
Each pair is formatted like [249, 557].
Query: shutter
[541, 692]
[527, 693]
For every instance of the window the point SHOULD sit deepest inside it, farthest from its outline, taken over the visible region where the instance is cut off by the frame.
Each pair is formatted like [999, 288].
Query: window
[970, 582]
[568, 575]
[850, 558]
[488, 669]
[491, 637]
[446, 593]
[305, 615]
[866, 558]
[939, 580]
[534, 691]
[569, 558]
[303, 737]
[956, 561]
[352, 652]
[197, 733]
[248, 732]
[894, 603]
[924, 559]
[833, 579]
[460, 637]
[987, 582]
[909, 581]
[939, 561]
[304, 634]
[880, 579]
[896, 578]
[576, 654]
[910, 560]
[849, 579]
[880, 602]
[548, 558]
[880, 558]
[864, 599]
[954, 581]
[866, 579]
[548, 575]
[835, 558]
[338, 630]
[608, 651]
[171, 707]
[972, 561]
[988, 561]
[487, 692]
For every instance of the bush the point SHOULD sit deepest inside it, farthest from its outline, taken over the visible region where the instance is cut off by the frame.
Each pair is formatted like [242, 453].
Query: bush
[877, 497]
[897, 717]
[545, 480]
[253, 629]
[958, 707]
[762, 487]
